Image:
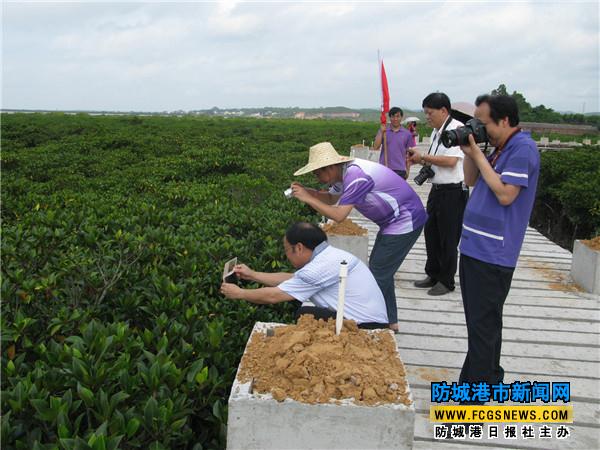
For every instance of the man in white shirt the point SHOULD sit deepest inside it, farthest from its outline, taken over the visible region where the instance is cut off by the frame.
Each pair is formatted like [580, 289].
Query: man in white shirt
[447, 198]
[316, 280]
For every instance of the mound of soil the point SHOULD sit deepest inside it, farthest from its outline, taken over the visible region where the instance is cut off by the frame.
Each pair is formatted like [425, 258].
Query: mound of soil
[345, 228]
[309, 363]
[594, 243]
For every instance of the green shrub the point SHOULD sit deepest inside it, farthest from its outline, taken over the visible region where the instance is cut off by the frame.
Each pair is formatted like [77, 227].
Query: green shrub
[114, 234]
[568, 195]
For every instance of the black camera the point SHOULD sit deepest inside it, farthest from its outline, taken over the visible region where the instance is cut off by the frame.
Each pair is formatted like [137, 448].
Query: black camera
[424, 174]
[233, 279]
[460, 136]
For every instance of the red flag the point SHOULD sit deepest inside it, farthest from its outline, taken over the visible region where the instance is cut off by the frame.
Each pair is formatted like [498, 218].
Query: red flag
[385, 95]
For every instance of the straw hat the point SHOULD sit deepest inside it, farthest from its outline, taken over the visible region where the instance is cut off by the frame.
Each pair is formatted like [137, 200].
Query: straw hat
[321, 155]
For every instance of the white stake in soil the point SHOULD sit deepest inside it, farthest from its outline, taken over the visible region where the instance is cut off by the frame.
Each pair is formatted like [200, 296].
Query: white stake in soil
[339, 317]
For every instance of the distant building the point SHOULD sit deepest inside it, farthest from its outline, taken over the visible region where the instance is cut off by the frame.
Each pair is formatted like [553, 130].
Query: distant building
[343, 115]
[313, 116]
[299, 115]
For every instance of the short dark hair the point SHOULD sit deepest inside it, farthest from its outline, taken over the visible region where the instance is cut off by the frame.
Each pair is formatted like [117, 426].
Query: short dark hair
[437, 100]
[395, 110]
[501, 106]
[305, 233]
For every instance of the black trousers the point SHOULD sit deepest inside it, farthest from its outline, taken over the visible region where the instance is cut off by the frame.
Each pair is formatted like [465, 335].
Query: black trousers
[326, 314]
[402, 173]
[484, 289]
[445, 207]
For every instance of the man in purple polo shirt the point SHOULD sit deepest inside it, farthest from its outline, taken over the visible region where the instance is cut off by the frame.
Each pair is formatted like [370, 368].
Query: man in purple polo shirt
[398, 140]
[494, 227]
[381, 196]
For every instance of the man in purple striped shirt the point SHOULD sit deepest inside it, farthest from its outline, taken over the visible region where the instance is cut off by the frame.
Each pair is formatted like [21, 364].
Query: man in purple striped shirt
[494, 227]
[381, 196]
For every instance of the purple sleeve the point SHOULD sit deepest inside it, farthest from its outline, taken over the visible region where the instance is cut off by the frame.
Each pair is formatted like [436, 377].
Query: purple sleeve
[357, 184]
[516, 170]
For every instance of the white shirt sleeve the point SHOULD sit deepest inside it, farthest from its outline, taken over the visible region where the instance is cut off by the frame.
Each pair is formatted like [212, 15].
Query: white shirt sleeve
[452, 151]
[298, 288]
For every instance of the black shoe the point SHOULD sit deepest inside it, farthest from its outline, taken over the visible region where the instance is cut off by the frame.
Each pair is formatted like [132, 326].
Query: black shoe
[438, 289]
[426, 283]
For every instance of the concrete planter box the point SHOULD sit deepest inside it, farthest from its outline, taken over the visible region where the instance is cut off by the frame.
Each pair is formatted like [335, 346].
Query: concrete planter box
[357, 245]
[359, 151]
[364, 152]
[257, 421]
[354, 214]
[374, 155]
[585, 267]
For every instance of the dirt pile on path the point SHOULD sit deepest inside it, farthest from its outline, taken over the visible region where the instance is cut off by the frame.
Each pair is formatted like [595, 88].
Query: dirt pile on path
[594, 243]
[344, 228]
[309, 363]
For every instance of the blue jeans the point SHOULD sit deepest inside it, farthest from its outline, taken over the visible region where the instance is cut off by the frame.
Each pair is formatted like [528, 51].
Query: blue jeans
[386, 257]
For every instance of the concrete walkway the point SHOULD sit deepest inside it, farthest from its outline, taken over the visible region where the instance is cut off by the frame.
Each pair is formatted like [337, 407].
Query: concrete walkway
[551, 333]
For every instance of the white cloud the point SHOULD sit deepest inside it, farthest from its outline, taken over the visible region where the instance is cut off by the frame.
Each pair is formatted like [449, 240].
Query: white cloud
[227, 20]
[156, 56]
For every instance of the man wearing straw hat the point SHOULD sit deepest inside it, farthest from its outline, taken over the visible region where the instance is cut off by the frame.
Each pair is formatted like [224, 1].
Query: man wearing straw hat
[377, 193]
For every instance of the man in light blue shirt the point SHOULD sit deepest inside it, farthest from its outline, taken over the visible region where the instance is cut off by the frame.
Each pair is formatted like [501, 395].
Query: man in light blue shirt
[316, 280]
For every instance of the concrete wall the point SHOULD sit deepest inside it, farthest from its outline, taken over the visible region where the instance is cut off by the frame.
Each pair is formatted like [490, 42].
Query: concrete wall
[357, 245]
[257, 421]
[585, 267]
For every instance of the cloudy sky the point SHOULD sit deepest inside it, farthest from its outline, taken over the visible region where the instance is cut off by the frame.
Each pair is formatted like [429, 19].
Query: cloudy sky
[154, 56]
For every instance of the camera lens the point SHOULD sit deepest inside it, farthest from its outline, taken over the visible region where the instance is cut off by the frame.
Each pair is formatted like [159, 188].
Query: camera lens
[450, 138]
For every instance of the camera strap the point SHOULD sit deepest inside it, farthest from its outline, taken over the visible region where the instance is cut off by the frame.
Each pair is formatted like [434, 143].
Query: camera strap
[493, 158]
[439, 136]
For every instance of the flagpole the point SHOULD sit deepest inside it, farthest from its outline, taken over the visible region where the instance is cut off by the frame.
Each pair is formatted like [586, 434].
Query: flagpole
[385, 152]
[384, 132]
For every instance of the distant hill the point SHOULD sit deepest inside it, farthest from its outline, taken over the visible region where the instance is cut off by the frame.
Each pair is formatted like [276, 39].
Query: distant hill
[321, 113]
[330, 112]
[325, 113]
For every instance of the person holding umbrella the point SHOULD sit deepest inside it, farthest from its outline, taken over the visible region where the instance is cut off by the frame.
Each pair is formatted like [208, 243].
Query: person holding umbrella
[412, 128]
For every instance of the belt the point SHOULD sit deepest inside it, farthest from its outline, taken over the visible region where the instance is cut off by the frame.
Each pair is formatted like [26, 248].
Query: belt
[446, 187]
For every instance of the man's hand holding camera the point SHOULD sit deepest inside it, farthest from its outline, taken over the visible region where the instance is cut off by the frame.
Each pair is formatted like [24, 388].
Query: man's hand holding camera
[301, 193]
[230, 290]
[242, 272]
[416, 157]
[472, 150]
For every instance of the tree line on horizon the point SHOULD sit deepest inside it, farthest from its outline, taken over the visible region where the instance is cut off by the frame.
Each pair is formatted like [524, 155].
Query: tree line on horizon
[541, 113]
